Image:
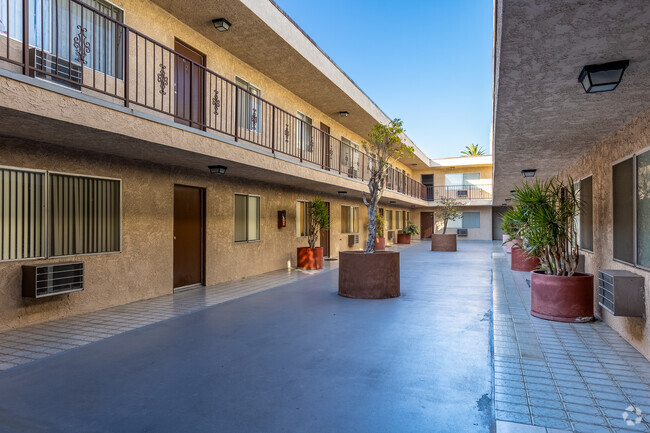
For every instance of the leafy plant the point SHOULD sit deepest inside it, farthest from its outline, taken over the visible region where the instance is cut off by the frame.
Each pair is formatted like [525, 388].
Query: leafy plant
[448, 210]
[318, 219]
[411, 229]
[544, 216]
[473, 150]
[384, 147]
[381, 225]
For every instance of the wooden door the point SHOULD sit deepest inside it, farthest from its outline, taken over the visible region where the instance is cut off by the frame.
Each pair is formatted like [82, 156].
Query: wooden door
[188, 235]
[188, 85]
[426, 224]
[325, 236]
[325, 140]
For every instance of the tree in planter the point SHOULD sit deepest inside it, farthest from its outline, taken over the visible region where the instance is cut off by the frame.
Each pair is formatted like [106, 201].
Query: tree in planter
[318, 219]
[448, 210]
[384, 148]
[511, 224]
[545, 216]
[411, 229]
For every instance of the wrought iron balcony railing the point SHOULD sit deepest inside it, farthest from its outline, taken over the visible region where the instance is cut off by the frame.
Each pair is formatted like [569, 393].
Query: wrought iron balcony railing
[459, 192]
[90, 50]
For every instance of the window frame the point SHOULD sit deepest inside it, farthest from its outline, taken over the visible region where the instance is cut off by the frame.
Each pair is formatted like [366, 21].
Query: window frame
[306, 219]
[579, 221]
[258, 105]
[355, 230]
[234, 218]
[302, 120]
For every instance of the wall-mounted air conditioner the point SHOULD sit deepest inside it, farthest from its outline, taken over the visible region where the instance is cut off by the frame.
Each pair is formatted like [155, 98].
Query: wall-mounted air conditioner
[461, 232]
[353, 240]
[621, 292]
[55, 67]
[461, 193]
[48, 280]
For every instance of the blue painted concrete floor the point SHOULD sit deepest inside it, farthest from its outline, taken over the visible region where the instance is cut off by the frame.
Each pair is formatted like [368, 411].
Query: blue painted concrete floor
[294, 358]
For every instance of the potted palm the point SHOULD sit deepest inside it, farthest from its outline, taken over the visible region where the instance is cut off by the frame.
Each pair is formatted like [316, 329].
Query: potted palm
[522, 258]
[548, 212]
[372, 274]
[311, 257]
[447, 210]
[380, 241]
[405, 236]
[507, 226]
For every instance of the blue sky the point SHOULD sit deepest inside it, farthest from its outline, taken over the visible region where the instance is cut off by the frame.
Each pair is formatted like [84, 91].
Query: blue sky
[428, 62]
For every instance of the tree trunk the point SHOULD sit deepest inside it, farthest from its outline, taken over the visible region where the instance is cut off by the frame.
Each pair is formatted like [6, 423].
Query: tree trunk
[444, 226]
[375, 185]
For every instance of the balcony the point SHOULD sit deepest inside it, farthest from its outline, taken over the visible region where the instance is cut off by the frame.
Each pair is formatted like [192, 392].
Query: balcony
[482, 190]
[92, 52]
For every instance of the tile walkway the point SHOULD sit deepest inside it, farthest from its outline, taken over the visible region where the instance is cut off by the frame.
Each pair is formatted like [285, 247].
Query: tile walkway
[577, 377]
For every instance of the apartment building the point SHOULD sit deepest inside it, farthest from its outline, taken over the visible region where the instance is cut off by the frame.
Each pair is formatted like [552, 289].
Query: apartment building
[572, 99]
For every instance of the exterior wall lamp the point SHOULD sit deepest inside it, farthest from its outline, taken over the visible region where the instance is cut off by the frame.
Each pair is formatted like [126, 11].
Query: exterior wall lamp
[344, 113]
[529, 172]
[343, 194]
[603, 77]
[221, 24]
[218, 169]
[392, 202]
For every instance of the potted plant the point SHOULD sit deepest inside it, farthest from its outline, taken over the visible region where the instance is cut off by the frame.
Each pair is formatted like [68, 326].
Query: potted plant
[405, 236]
[548, 213]
[508, 228]
[380, 241]
[447, 210]
[371, 274]
[522, 257]
[311, 257]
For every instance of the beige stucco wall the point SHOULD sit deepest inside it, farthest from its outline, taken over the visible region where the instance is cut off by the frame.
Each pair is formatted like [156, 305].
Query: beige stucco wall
[439, 173]
[144, 268]
[483, 233]
[597, 162]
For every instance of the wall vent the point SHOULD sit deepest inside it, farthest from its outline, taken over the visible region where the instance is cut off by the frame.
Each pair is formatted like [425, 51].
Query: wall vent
[461, 232]
[49, 280]
[57, 67]
[621, 292]
[461, 193]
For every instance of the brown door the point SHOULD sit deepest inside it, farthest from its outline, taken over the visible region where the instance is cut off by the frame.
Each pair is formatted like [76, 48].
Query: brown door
[188, 85]
[326, 146]
[426, 224]
[188, 235]
[325, 236]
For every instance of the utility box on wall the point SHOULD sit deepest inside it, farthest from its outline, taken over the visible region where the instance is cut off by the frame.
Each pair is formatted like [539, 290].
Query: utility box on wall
[621, 292]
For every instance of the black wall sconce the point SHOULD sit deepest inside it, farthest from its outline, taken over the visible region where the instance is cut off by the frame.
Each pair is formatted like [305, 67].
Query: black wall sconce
[604, 77]
[218, 169]
[221, 24]
[530, 172]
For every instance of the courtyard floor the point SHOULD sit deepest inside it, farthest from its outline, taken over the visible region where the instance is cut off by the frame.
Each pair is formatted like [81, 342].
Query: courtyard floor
[282, 352]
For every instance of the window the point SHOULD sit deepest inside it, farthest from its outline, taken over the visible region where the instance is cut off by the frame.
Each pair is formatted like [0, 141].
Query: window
[623, 197]
[350, 156]
[461, 178]
[389, 219]
[250, 106]
[407, 218]
[302, 218]
[643, 209]
[585, 219]
[22, 204]
[349, 219]
[467, 220]
[399, 220]
[304, 129]
[247, 218]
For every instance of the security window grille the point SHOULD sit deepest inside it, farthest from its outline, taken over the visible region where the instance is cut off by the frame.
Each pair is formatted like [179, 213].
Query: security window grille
[247, 218]
[349, 219]
[22, 208]
[623, 197]
[250, 106]
[84, 215]
[304, 128]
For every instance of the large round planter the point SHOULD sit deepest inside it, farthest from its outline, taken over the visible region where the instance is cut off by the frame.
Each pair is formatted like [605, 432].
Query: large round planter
[369, 276]
[446, 242]
[380, 244]
[521, 261]
[403, 238]
[507, 244]
[310, 258]
[563, 299]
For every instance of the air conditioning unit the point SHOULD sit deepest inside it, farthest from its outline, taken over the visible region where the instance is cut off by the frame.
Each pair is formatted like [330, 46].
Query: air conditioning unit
[461, 193]
[49, 280]
[621, 292]
[353, 240]
[461, 232]
[55, 67]
[391, 235]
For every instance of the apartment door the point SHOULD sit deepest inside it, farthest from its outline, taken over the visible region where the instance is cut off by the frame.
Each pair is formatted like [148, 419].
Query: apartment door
[189, 228]
[188, 85]
[426, 224]
[325, 236]
[325, 140]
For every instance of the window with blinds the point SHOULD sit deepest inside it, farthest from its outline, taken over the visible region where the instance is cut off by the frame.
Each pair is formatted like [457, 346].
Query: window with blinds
[22, 207]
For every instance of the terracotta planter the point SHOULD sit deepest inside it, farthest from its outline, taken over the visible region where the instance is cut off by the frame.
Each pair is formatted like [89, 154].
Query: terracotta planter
[369, 276]
[380, 244]
[507, 246]
[310, 258]
[446, 242]
[563, 299]
[521, 261]
[403, 238]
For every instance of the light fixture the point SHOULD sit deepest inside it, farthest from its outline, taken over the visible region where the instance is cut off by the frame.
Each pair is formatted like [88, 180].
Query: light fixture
[603, 77]
[342, 194]
[392, 202]
[344, 113]
[221, 24]
[512, 191]
[218, 169]
[529, 172]
[507, 200]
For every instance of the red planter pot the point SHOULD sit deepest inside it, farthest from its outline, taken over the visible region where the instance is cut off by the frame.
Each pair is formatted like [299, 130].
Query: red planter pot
[380, 244]
[369, 276]
[310, 258]
[507, 246]
[403, 238]
[446, 242]
[563, 299]
[521, 261]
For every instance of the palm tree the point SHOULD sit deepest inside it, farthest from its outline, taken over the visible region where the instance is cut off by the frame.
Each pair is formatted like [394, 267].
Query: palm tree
[472, 150]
